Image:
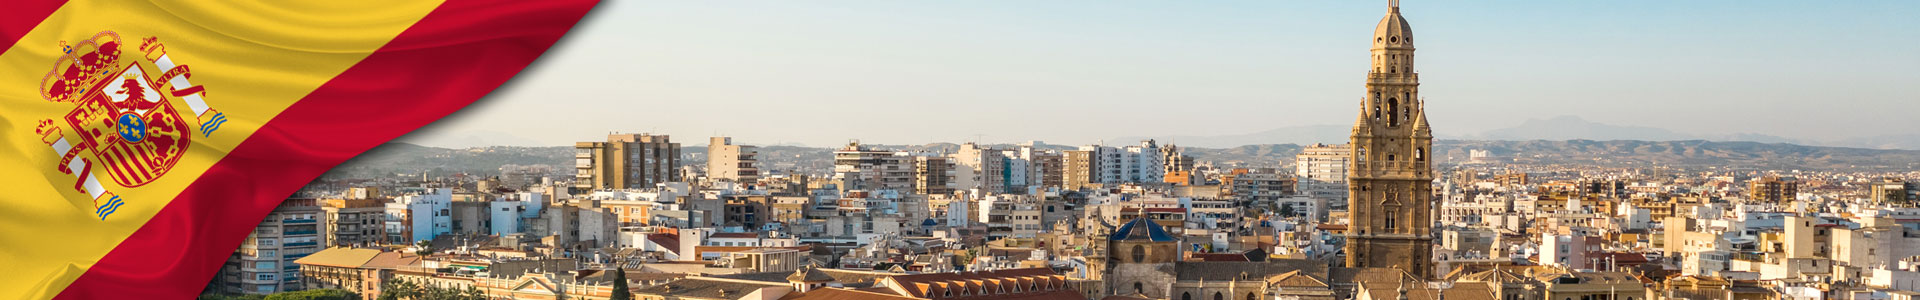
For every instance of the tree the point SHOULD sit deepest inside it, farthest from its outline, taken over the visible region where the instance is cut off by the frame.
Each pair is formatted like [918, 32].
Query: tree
[424, 248]
[219, 296]
[322, 294]
[620, 291]
[399, 289]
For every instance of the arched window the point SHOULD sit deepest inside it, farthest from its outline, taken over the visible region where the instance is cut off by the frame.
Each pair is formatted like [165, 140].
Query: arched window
[1250, 296]
[1393, 112]
[1217, 296]
[1186, 296]
[1137, 290]
[1139, 253]
[1420, 154]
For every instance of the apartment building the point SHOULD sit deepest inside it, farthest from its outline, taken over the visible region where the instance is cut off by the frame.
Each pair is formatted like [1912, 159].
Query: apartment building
[626, 161]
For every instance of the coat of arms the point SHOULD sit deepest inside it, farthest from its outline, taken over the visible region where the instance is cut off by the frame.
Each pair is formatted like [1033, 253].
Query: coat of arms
[126, 115]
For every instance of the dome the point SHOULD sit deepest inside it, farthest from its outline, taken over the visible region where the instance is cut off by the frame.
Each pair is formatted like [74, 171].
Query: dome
[1393, 30]
[1142, 229]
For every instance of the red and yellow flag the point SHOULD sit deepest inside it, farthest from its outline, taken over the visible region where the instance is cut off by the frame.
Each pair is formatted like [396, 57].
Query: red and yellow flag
[141, 141]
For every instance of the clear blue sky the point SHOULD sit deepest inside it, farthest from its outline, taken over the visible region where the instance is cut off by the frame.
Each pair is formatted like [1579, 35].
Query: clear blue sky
[1074, 72]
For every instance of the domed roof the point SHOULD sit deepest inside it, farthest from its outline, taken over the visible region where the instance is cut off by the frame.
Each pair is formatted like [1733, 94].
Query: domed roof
[1143, 230]
[1393, 30]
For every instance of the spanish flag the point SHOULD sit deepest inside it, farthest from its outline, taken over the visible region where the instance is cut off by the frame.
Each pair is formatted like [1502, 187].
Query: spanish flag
[141, 141]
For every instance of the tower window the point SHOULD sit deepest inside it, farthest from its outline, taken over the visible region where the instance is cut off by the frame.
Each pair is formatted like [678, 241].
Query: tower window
[1420, 154]
[1393, 112]
[1394, 39]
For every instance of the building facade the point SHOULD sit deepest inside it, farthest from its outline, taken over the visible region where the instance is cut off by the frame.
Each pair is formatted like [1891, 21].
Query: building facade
[626, 161]
[264, 262]
[354, 222]
[737, 163]
[1390, 185]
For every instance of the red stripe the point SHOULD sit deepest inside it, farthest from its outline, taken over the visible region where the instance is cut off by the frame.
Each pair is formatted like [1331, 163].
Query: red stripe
[128, 161]
[19, 17]
[458, 53]
[116, 164]
[142, 162]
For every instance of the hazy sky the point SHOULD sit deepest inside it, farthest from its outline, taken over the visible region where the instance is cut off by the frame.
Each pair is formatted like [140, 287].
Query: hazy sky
[1073, 72]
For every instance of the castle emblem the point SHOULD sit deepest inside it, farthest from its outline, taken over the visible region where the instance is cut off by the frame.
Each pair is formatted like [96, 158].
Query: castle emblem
[126, 115]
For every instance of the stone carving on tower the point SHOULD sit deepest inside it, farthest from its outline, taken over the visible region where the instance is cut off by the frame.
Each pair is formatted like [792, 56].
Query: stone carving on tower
[1389, 186]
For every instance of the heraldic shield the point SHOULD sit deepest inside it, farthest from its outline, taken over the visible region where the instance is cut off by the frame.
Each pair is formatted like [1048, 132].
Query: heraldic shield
[122, 115]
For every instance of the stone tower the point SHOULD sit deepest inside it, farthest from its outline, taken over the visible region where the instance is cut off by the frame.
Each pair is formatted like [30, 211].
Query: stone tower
[1389, 188]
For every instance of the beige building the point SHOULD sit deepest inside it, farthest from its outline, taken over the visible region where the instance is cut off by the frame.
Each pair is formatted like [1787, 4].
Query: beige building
[1390, 185]
[737, 163]
[354, 222]
[626, 161]
[858, 167]
[932, 175]
[1772, 189]
[1076, 169]
[1322, 163]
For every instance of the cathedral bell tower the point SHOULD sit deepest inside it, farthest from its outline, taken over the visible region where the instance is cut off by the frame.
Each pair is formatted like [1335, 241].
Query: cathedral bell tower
[1390, 184]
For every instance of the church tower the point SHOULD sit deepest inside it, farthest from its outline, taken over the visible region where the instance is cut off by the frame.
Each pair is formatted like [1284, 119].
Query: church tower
[1390, 184]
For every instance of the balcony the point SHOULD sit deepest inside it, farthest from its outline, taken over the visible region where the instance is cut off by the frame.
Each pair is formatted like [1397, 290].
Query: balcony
[300, 244]
[298, 221]
[301, 232]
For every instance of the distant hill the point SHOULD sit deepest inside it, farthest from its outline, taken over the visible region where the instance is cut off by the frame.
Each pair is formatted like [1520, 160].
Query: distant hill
[1622, 153]
[1561, 128]
[410, 159]
[1689, 153]
[392, 158]
[1303, 135]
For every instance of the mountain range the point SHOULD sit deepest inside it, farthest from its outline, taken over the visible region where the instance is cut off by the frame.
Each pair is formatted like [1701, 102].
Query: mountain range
[1560, 128]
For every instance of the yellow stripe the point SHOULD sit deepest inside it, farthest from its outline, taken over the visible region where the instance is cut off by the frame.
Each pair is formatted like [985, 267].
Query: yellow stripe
[255, 59]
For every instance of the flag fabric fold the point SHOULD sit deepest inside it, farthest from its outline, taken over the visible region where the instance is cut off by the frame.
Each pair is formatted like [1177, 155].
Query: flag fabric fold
[144, 141]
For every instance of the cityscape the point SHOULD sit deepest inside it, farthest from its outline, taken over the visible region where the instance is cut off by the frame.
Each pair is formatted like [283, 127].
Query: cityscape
[1389, 212]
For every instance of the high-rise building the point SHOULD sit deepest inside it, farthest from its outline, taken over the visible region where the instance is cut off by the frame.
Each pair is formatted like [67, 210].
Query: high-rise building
[1144, 163]
[737, 163]
[981, 168]
[1322, 171]
[1773, 189]
[932, 175]
[861, 168]
[626, 161]
[1044, 167]
[354, 222]
[1390, 184]
[1174, 161]
[1322, 163]
[1077, 169]
[263, 264]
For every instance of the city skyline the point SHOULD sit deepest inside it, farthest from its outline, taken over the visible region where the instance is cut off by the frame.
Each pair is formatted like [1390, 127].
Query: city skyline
[774, 74]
